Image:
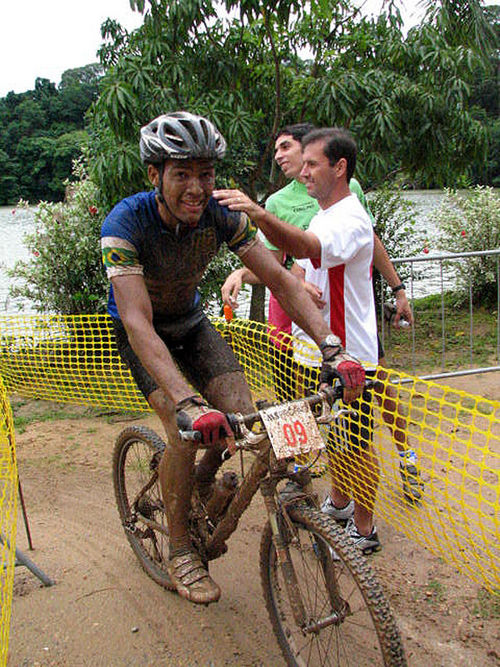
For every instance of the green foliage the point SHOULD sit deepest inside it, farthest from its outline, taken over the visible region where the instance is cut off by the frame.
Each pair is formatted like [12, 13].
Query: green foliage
[217, 271]
[485, 98]
[405, 97]
[395, 220]
[41, 133]
[65, 274]
[470, 222]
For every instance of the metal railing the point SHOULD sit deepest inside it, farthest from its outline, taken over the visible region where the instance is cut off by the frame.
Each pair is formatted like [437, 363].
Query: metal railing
[439, 261]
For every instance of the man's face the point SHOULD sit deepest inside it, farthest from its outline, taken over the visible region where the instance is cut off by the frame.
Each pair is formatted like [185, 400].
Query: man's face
[318, 175]
[288, 155]
[187, 187]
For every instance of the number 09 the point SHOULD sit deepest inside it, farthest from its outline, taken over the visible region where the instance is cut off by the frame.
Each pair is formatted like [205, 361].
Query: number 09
[294, 433]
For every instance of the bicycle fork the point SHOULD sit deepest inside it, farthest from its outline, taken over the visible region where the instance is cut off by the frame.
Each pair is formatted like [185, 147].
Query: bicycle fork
[268, 488]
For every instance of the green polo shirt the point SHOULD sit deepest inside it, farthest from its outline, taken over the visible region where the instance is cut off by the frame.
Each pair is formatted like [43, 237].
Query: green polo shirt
[292, 204]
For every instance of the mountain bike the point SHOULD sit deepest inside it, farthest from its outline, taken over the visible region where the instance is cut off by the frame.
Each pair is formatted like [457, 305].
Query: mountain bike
[325, 605]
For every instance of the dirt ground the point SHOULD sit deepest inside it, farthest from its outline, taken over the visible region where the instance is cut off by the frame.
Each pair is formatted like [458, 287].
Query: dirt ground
[104, 610]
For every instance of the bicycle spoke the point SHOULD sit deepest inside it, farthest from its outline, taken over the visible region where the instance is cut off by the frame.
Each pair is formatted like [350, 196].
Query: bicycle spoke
[347, 620]
[139, 499]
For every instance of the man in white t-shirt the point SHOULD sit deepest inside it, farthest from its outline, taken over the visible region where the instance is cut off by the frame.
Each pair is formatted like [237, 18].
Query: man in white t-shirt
[337, 252]
[343, 276]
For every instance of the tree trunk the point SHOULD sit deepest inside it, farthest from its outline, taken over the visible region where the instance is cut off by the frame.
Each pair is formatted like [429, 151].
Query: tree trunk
[257, 303]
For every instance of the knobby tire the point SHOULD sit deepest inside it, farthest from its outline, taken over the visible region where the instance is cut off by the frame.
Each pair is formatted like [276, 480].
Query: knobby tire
[137, 452]
[367, 635]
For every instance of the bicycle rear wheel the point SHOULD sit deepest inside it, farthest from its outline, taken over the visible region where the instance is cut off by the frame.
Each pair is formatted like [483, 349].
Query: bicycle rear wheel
[348, 620]
[136, 457]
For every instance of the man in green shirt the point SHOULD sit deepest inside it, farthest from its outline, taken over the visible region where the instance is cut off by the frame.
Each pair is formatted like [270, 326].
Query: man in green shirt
[293, 205]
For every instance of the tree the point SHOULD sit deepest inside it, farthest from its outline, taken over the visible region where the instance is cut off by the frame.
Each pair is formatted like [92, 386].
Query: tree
[41, 133]
[405, 98]
[9, 185]
[77, 90]
[485, 98]
[252, 66]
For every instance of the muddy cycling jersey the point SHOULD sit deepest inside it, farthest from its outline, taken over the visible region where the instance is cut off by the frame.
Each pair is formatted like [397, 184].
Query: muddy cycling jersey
[134, 240]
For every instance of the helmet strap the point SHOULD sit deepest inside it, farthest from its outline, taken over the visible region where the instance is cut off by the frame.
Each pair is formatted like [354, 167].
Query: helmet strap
[159, 187]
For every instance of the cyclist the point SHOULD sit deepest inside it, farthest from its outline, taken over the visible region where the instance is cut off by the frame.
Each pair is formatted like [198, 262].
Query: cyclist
[335, 254]
[293, 204]
[156, 246]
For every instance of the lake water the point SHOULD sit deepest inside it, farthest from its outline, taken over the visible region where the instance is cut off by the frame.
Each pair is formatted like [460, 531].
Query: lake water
[14, 223]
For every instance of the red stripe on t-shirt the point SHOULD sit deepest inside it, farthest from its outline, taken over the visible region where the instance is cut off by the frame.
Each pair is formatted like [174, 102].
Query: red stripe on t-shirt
[337, 301]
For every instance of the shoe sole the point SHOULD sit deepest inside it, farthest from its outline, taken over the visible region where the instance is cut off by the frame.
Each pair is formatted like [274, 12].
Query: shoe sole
[367, 551]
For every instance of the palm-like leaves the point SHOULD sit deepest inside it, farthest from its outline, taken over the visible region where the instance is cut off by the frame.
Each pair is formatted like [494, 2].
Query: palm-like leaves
[244, 65]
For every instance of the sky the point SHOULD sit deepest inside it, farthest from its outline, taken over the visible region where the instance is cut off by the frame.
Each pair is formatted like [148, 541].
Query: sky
[44, 38]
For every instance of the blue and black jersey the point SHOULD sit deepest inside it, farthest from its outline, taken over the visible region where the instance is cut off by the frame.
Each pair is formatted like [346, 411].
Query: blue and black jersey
[134, 239]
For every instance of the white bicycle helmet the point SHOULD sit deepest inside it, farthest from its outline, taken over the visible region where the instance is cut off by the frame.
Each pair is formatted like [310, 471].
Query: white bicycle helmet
[180, 135]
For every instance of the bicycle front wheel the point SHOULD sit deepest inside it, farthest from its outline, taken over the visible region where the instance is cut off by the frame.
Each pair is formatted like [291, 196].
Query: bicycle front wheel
[346, 619]
[136, 457]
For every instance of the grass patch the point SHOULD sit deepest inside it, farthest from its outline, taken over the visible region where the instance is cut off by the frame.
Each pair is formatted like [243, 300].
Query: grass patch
[33, 411]
[435, 591]
[59, 461]
[488, 604]
[428, 353]
[23, 421]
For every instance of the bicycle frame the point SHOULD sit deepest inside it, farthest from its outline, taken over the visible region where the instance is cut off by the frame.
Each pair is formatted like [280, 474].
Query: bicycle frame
[305, 590]
[264, 463]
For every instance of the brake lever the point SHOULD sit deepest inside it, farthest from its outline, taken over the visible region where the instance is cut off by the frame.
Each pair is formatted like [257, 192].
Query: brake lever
[326, 416]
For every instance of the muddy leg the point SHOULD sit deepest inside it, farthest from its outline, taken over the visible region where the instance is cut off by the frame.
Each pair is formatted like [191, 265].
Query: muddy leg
[176, 474]
[227, 393]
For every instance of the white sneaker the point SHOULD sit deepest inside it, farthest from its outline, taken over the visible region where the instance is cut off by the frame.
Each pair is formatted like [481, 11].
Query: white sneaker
[339, 514]
[410, 474]
[367, 543]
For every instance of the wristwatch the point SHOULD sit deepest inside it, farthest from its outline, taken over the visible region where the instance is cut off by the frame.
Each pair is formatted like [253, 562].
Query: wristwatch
[330, 341]
[399, 287]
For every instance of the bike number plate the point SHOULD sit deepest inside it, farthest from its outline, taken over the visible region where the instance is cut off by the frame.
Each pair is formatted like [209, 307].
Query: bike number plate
[292, 429]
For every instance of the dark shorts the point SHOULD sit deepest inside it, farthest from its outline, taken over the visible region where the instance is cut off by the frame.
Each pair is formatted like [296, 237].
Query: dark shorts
[354, 430]
[201, 354]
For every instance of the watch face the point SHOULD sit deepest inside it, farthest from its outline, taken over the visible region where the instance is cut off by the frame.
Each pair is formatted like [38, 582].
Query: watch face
[331, 340]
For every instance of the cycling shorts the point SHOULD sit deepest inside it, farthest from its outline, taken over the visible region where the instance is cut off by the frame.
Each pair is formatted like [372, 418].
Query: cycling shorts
[201, 355]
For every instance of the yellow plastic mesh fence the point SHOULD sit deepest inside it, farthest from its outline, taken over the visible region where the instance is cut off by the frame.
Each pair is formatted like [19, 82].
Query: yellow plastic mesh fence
[8, 504]
[449, 502]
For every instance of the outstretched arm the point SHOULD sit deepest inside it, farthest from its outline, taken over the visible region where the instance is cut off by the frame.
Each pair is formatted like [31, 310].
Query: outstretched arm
[293, 298]
[290, 239]
[383, 264]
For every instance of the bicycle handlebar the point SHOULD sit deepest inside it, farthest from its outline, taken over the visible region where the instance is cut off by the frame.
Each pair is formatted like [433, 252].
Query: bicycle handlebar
[330, 394]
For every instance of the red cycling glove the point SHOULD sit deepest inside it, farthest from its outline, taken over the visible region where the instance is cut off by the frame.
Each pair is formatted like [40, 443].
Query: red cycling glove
[194, 414]
[344, 367]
